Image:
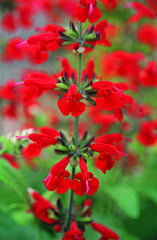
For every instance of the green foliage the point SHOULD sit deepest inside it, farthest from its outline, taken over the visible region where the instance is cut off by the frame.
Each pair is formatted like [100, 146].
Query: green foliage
[7, 145]
[15, 180]
[126, 198]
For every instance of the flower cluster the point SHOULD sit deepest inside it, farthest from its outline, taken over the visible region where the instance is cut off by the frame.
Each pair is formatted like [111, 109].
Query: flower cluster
[78, 92]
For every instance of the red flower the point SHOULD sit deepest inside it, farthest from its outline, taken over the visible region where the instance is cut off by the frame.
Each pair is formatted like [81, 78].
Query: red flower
[88, 11]
[41, 207]
[58, 177]
[147, 134]
[11, 159]
[66, 67]
[141, 11]
[84, 181]
[109, 4]
[89, 69]
[98, 116]
[9, 22]
[107, 151]
[33, 86]
[7, 91]
[49, 40]
[45, 138]
[40, 80]
[10, 110]
[110, 96]
[107, 233]
[73, 233]
[147, 34]
[122, 64]
[70, 102]
[101, 28]
[148, 76]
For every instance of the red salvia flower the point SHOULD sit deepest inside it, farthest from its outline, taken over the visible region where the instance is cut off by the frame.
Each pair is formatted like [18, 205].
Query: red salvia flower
[98, 117]
[58, 177]
[147, 34]
[107, 233]
[41, 207]
[148, 76]
[10, 110]
[49, 40]
[104, 146]
[89, 11]
[110, 96]
[147, 135]
[89, 69]
[101, 28]
[9, 22]
[70, 102]
[73, 233]
[84, 181]
[40, 80]
[44, 139]
[8, 91]
[109, 4]
[11, 160]
[141, 11]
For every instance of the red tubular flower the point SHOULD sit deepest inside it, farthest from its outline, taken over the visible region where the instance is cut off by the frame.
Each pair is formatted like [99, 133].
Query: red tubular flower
[110, 96]
[101, 28]
[107, 233]
[89, 70]
[98, 116]
[147, 136]
[8, 92]
[66, 67]
[152, 4]
[45, 138]
[40, 80]
[73, 233]
[147, 34]
[17, 49]
[109, 4]
[148, 76]
[122, 64]
[109, 138]
[70, 102]
[41, 208]
[49, 40]
[89, 11]
[105, 161]
[33, 86]
[58, 177]
[11, 160]
[10, 110]
[9, 22]
[84, 181]
[141, 11]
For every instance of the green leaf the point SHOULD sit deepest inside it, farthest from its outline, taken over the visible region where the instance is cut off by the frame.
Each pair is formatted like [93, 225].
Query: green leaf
[149, 192]
[84, 219]
[8, 146]
[126, 198]
[15, 180]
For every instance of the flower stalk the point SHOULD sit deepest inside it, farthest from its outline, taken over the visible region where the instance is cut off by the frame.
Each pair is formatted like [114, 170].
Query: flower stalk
[76, 134]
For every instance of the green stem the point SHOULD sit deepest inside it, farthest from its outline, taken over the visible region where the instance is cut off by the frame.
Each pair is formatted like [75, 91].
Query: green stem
[80, 59]
[69, 213]
[76, 122]
[76, 133]
[76, 137]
